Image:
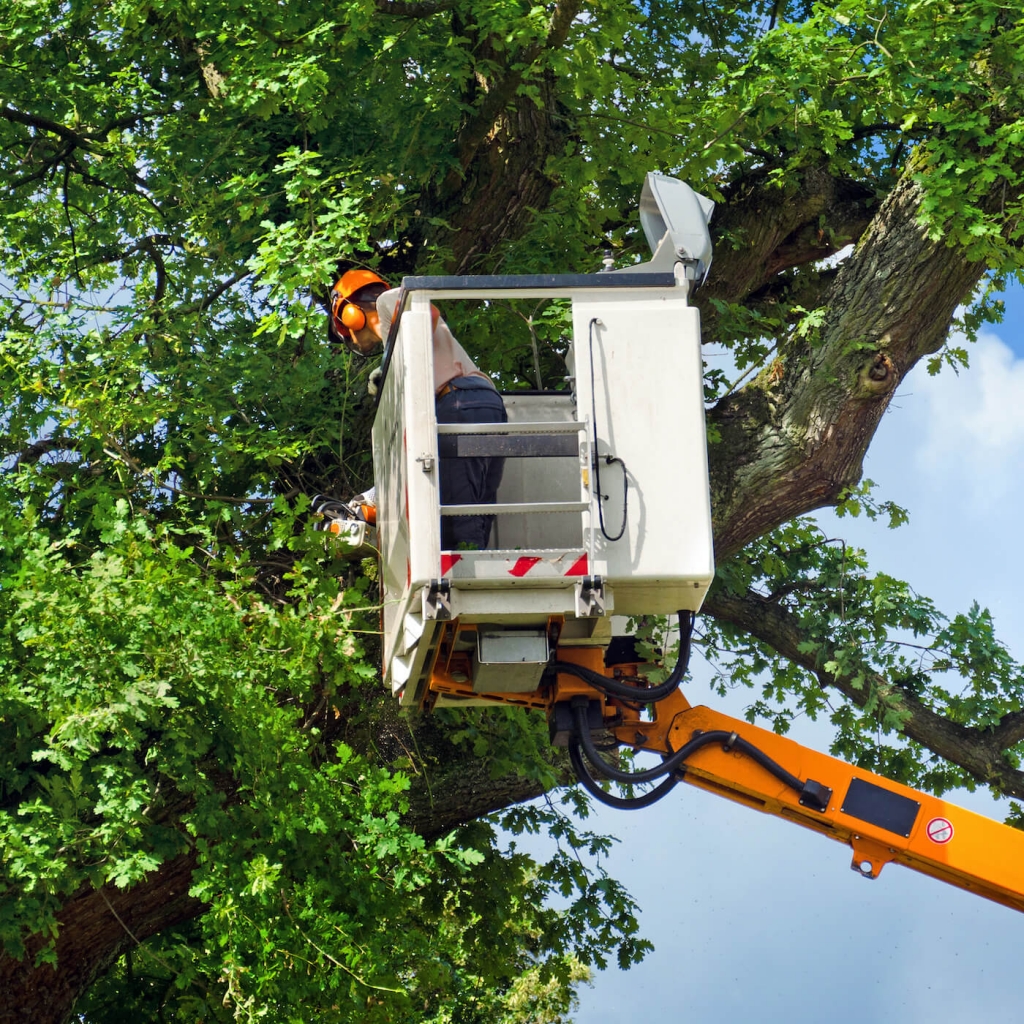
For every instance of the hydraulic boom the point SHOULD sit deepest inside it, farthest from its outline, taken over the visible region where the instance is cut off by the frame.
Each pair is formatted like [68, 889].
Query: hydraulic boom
[883, 821]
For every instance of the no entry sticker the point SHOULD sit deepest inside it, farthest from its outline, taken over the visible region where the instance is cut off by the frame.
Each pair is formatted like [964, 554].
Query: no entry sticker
[940, 830]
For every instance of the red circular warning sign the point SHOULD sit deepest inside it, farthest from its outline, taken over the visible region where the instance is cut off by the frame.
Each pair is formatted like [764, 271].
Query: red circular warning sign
[940, 830]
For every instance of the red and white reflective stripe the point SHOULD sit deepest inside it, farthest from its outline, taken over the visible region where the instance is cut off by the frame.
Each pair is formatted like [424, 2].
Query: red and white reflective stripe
[523, 565]
[578, 568]
[447, 561]
[483, 565]
[527, 562]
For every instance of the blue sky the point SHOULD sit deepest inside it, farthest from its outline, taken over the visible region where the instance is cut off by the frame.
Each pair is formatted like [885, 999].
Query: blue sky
[1012, 327]
[755, 917]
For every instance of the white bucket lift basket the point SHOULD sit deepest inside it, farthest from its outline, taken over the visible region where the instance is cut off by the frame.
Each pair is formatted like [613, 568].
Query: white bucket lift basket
[636, 385]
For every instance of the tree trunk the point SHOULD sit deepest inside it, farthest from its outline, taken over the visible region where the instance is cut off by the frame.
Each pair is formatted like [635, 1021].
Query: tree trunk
[96, 927]
[493, 197]
[794, 439]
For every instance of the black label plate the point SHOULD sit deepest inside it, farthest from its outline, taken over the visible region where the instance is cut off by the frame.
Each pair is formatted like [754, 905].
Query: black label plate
[881, 807]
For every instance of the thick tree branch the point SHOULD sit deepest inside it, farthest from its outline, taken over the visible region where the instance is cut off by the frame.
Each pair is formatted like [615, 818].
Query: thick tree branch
[96, 926]
[150, 246]
[979, 752]
[772, 228]
[469, 793]
[38, 450]
[47, 166]
[414, 8]
[501, 92]
[46, 125]
[794, 438]
[1010, 730]
[81, 139]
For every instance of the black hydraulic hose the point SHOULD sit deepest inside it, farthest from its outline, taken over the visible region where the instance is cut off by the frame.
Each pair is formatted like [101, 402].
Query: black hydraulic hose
[647, 695]
[591, 785]
[729, 741]
[670, 764]
[787, 778]
[609, 771]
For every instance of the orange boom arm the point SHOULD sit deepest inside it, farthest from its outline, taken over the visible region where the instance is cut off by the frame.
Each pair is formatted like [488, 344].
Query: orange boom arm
[883, 821]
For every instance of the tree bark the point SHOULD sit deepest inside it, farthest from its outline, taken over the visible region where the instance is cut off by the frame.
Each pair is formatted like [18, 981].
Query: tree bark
[502, 151]
[501, 183]
[794, 439]
[467, 793]
[96, 926]
[771, 228]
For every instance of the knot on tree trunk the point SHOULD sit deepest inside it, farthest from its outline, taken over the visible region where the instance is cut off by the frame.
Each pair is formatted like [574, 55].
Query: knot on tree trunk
[877, 376]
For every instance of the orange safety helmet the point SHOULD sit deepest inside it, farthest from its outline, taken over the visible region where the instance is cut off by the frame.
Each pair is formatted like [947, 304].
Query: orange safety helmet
[346, 316]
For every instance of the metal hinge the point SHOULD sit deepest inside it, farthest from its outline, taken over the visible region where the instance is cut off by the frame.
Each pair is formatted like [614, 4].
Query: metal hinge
[437, 600]
[590, 597]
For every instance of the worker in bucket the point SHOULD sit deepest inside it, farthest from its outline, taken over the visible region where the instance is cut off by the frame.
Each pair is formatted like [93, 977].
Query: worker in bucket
[362, 308]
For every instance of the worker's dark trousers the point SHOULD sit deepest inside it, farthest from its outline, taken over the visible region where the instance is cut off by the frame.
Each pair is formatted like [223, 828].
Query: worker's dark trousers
[472, 481]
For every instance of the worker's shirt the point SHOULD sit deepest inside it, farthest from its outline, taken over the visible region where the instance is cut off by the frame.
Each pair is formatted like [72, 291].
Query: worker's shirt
[450, 358]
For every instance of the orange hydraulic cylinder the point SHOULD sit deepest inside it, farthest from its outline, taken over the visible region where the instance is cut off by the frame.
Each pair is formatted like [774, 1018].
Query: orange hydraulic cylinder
[880, 819]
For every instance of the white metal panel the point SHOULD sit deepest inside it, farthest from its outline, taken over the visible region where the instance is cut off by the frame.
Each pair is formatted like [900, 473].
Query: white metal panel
[539, 480]
[515, 603]
[647, 389]
[392, 528]
[540, 567]
[405, 471]
[421, 442]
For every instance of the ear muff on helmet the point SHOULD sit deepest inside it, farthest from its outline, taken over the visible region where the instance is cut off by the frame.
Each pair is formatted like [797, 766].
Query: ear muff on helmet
[346, 316]
[353, 317]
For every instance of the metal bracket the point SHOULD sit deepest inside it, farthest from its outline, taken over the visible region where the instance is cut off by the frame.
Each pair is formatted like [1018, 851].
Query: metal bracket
[562, 721]
[437, 600]
[590, 597]
[869, 856]
[427, 462]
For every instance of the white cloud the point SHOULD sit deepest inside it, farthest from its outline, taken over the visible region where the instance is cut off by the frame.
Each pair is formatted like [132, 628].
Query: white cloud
[949, 451]
[974, 427]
